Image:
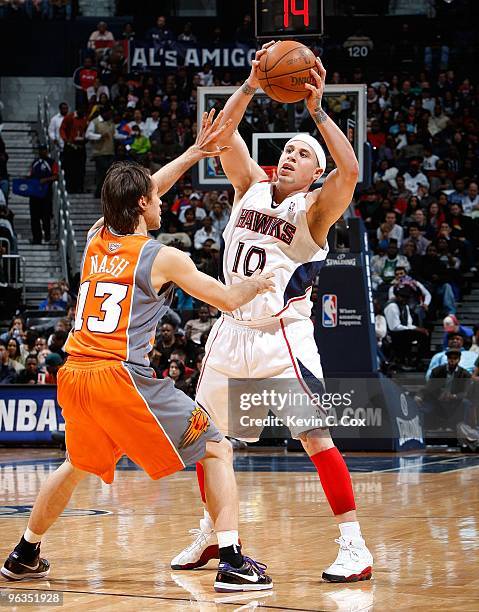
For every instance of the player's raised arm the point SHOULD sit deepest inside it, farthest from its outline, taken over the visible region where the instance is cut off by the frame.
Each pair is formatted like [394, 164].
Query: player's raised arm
[175, 266]
[334, 197]
[206, 145]
[242, 171]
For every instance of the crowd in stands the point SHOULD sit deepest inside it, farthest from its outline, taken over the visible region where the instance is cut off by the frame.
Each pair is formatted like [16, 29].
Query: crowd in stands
[19, 10]
[421, 211]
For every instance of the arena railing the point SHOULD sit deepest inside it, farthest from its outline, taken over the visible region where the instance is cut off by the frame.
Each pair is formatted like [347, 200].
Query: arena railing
[14, 272]
[67, 243]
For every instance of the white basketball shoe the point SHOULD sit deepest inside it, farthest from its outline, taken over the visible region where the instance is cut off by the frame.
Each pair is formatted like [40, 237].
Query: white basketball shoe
[203, 548]
[353, 563]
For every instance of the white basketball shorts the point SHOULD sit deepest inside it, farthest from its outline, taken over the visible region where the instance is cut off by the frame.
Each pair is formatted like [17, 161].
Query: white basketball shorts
[279, 354]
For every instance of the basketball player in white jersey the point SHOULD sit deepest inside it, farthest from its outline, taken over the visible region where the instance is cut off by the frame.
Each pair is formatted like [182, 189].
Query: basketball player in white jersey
[281, 227]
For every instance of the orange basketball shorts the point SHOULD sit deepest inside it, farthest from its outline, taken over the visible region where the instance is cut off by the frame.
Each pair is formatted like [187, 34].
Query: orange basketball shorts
[113, 408]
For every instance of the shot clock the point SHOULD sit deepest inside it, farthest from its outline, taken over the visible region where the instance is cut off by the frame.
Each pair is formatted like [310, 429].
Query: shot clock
[277, 19]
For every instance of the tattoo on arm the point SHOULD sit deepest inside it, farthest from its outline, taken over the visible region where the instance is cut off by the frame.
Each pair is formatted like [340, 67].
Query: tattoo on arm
[319, 115]
[247, 90]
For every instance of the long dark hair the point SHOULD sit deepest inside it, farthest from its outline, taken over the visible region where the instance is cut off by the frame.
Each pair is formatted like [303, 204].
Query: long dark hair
[125, 183]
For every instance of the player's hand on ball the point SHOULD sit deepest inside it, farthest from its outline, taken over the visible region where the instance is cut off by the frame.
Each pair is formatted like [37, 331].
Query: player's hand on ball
[264, 281]
[253, 80]
[210, 133]
[316, 89]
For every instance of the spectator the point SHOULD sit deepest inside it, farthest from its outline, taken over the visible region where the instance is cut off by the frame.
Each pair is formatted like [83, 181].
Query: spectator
[207, 232]
[53, 362]
[102, 132]
[414, 177]
[176, 371]
[166, 344]
[151, 123]
[404, 334]
[470, 202]
[390, 230]
[245, 32]
[420, 296]
[447, 397]
[206, 76]
[459, 194]
[15, 358]
[187, 35]
[72, 133]
[454, 341]
[175, 236]
[16, 330]
[160, 35]
[220, 217]
[415, 236]
[7, 372]
[433, 271]
[195, 203]
[45, 169]
[29, 375]
[451, 325]
[140, 146]
[430, 160]
[128, 32]
[438, 121]
[55, 124]
[195, 327]
[54, 300]
[384, 266]
[101, 35]
[57, 343]
[84, 78]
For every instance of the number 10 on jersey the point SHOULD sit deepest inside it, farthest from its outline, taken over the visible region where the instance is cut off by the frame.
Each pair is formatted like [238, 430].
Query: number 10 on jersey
[254, 259]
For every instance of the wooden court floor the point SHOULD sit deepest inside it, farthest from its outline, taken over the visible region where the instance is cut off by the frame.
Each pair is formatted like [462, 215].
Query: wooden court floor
[419, 514]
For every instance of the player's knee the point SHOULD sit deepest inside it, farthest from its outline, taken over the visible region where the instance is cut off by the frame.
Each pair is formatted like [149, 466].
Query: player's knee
[220, 450]
[317, 441]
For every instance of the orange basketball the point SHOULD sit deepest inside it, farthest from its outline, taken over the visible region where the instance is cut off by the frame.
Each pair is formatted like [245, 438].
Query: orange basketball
[284, 69]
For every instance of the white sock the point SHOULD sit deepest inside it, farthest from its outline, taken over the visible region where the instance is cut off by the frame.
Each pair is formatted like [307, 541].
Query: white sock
[206, 523]
[31, 537]
[350, 530]
[227, 538]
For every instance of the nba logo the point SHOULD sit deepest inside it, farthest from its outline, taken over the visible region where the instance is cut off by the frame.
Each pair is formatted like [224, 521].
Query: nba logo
[330, 310]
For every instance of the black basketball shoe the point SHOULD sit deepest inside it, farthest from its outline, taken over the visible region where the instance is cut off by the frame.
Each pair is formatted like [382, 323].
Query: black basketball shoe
[15, 568]
[249, 577]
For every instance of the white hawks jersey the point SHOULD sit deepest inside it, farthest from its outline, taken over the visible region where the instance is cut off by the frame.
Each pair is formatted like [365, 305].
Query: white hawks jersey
[273, 238]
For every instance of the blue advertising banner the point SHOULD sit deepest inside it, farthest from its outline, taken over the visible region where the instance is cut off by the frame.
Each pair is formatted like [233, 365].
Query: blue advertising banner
[29, 413]
[146, 56]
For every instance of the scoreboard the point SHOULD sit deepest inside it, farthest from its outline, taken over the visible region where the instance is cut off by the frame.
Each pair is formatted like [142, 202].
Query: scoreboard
[277, 19]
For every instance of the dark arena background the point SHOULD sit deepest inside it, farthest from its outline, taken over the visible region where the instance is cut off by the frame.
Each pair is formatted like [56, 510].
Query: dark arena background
[395, 305]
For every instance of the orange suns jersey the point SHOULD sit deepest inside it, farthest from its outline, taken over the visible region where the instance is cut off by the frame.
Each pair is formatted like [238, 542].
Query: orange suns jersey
[118, 309]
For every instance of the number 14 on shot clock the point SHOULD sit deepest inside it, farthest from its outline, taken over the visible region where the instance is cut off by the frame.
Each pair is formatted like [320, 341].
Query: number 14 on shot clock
[278, 19]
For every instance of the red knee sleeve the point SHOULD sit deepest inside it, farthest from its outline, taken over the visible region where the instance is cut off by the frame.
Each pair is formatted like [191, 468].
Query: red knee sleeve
[335, 479]
[200, 474]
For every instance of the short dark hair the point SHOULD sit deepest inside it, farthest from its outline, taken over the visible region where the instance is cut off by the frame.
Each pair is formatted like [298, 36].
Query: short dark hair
[125, 183]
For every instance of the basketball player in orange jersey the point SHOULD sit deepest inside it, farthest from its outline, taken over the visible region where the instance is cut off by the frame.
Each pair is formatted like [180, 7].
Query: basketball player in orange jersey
[281, 226]
[111, 402]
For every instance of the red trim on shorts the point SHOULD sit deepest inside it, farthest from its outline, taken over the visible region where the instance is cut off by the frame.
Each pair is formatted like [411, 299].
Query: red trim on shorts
[206, 358]
[295, 299]
[293, 361]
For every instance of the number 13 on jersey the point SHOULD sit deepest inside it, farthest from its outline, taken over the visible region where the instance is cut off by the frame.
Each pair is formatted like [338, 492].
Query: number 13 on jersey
[113, 295]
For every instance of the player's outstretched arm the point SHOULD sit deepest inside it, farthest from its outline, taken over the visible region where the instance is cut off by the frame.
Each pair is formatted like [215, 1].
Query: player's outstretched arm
[242, 171]
[334, 197]
[173, 265]
[206, 145]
